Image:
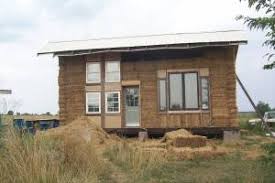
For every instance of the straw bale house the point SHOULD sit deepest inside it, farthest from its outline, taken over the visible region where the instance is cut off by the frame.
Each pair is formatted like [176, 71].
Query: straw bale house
[155, 83]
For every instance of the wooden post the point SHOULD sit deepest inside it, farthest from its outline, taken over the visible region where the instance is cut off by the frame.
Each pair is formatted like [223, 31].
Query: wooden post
[264, 125]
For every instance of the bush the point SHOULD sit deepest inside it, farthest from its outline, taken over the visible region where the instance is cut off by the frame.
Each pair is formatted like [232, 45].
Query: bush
[263, 107]
[253, 129]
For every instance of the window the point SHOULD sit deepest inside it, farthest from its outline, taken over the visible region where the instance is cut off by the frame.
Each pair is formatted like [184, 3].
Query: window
[176, 91]
[112, 102]
[93, 103]
[191, 90]
[112, 71]
[204, 93]
[162, 95]
[93, 72]
[183, 91]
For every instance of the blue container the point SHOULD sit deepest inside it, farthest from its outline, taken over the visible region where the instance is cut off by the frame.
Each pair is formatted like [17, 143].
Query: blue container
[19, 123]
[44, 125]
[55, 124]
[29, 124]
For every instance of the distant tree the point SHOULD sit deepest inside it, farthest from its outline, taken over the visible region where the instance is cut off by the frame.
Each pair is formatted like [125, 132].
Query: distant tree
[263, 107]
[48, 113]
[265, 23]
[18, 114]
[10, 112]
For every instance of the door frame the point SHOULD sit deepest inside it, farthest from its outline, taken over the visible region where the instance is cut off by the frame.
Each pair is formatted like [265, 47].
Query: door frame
[124, 106]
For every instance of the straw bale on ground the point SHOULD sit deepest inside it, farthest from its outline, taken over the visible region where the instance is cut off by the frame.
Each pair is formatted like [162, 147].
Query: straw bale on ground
[183, 138]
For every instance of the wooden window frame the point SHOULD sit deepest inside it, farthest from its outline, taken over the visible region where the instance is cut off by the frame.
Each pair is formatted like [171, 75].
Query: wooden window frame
[110, 81]
[106, 102]
[87, 105]
[183, 92]
[93, 82]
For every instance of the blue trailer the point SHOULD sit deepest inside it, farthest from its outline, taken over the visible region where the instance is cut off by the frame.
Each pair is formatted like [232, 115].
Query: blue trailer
[31, 126]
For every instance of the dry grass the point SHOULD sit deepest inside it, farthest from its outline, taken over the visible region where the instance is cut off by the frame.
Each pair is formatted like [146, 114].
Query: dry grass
[25, 159]
[133, 160]
[83, 152]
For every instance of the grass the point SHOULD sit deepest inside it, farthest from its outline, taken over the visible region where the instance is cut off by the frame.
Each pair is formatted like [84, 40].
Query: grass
[27, 159]
[251, 129]
[136, 163]
[231, 168]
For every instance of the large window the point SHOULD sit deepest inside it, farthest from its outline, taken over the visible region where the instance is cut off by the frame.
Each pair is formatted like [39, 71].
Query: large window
[176, 91]
[112, 102]
[183, 91]
[204, 93]
[93, 72]
[112, 71]
[191, 90]
[162, 95]
[93, 103]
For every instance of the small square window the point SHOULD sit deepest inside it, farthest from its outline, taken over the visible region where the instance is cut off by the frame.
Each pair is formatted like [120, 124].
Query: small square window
[93, 72]
[112, 71]
[112, 100]
[93, 103]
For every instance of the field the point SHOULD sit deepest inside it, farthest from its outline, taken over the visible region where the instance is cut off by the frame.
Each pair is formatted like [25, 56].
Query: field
[84, 153]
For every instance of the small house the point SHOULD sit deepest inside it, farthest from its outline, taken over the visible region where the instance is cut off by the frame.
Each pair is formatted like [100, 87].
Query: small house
[156, 83]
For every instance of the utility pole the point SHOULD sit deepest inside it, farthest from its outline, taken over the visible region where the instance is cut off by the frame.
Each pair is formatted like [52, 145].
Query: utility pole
[4, 92]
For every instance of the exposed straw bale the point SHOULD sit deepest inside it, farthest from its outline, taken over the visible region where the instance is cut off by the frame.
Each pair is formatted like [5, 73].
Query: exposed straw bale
[183, 138]
[81, 130]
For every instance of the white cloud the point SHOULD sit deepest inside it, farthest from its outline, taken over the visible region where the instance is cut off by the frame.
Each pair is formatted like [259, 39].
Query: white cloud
[28, 24]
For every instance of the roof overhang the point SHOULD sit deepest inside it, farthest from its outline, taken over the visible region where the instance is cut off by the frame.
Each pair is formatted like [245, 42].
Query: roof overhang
[145, 43]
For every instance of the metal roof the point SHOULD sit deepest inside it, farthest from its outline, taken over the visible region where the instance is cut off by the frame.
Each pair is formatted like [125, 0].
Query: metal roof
[199, 38]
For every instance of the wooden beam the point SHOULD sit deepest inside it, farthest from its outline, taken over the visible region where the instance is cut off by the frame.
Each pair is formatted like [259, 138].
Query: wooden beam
[264, 125]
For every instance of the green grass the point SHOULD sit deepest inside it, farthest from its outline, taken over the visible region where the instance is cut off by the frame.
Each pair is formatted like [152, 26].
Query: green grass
[251, 129]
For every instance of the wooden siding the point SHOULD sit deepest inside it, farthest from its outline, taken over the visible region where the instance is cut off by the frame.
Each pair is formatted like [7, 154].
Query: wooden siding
[218, 62]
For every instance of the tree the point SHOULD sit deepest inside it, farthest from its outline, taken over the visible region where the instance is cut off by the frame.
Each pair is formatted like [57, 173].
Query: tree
[265, 23]
[48, 113]
[263, 107]
[10, 112]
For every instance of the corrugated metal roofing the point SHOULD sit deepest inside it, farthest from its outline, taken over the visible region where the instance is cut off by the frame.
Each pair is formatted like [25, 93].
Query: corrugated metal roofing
[235, 36]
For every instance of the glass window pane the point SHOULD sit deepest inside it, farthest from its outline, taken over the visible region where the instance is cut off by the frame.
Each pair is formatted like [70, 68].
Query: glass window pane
[113, 76]
[93, 102]
[93, 67]
[93, 72]
[205, 93]
[93, 77]
[176, 99]
[112, 66]
[162, 95]
[191, 90]
[112, 102]
[113, 71]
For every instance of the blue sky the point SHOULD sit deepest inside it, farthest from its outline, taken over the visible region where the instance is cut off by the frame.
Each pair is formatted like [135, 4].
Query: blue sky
[26, 25]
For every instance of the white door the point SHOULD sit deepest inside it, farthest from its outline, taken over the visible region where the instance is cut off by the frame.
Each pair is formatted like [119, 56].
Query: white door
[131, 98]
